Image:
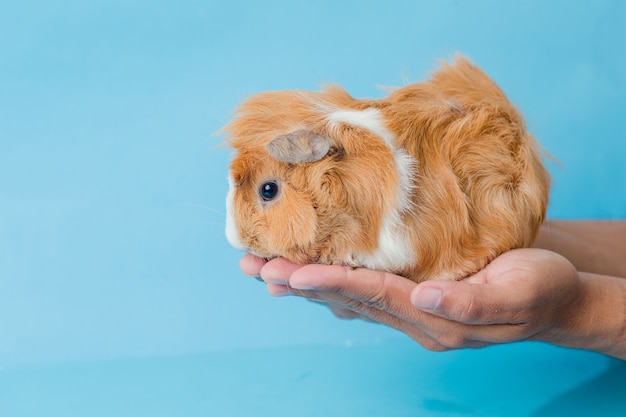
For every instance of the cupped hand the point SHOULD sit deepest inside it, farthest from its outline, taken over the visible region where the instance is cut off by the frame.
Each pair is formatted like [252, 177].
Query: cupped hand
[523, 294]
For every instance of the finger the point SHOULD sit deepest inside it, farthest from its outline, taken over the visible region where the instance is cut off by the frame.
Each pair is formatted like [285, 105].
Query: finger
[469, 303]
[251, 265]
[499, 333]
[343, 313]
[340, 311]
[375, 296]
[345, 307]
[278, 290]
[433, 332]
[382, 298]
[380, 290]
[475, 312]
[278, 271]
[455, 335]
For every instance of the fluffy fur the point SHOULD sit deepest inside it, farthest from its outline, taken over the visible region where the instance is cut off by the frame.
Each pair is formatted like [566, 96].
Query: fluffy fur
[431, 182]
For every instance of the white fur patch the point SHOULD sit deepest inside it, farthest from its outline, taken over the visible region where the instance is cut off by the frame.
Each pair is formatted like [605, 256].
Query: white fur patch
[370, 119]
[232, 234]
[394, 248]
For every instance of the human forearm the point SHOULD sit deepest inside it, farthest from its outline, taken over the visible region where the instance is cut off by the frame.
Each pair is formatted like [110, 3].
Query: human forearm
[596, 246]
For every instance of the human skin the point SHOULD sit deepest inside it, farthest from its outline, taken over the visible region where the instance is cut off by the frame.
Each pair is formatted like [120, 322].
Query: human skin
[567, 291]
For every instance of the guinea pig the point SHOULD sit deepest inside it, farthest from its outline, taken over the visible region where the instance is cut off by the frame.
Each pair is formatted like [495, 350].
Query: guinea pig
[432, 182]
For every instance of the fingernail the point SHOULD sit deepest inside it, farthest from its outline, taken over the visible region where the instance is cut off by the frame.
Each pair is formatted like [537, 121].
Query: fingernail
[258, 278]
[279, 290]
[428, 298]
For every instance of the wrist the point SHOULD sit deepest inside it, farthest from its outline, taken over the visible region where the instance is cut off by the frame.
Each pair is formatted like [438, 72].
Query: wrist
[597, 322]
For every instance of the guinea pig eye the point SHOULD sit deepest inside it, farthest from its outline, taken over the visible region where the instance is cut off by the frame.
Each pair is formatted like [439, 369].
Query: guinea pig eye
[268, 190]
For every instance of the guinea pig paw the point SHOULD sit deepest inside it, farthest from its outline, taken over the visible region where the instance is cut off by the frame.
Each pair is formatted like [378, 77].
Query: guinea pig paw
[349, 263]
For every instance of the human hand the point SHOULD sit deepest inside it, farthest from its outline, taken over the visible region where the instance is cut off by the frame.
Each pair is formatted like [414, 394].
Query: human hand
[524, 294]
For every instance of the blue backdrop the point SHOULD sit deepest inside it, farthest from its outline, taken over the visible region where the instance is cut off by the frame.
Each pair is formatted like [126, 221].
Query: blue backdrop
[112, 182]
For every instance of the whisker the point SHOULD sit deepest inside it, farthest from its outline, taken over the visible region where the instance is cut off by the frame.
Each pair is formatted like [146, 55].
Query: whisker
[210, 224]
[211, 209]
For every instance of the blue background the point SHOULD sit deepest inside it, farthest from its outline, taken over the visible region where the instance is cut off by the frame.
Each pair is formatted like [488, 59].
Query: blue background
[119, 294]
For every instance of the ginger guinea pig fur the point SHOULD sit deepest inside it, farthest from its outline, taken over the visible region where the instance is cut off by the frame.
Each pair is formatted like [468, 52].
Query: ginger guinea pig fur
[431, 182]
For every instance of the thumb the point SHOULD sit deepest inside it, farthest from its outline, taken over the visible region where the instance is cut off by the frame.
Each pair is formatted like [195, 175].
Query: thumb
[465, 302]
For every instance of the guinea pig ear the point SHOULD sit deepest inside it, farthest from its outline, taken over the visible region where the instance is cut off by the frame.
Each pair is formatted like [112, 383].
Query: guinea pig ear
[299, 146]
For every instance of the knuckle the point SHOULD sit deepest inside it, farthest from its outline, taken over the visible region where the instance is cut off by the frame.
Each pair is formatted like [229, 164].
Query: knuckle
[378, 298]
[522, 315]
[343, 313]
[353, 305]
[454, 341]
[470, 312]
[433, 346]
